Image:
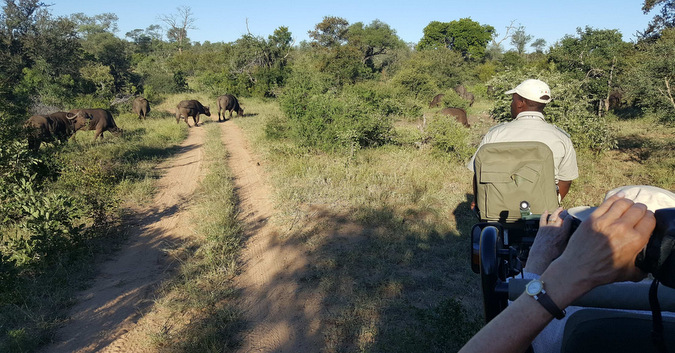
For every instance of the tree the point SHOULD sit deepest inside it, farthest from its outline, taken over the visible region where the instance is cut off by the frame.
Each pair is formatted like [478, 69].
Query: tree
[595, 57]
[519, 39]
[330, 32]
[652, 77]
[466, 36]
[90, 25]
[144, 38]
[373, 40]
[539, 45]
[179, 24]
[665, 18]
[38, 54]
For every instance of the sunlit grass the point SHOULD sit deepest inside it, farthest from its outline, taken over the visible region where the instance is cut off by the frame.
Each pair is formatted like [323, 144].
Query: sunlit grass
[387, 228]
[201, 293]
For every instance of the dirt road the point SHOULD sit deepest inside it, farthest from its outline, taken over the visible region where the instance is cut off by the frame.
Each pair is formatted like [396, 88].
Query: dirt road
[281, 317]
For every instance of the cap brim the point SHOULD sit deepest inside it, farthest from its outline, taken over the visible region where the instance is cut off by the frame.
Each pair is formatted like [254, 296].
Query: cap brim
[512, 91]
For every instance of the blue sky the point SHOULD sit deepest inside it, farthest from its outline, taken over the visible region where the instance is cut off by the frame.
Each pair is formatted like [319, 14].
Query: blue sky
[225, 21]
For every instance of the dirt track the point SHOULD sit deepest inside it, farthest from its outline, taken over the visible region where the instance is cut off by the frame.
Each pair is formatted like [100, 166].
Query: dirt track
[281, 316]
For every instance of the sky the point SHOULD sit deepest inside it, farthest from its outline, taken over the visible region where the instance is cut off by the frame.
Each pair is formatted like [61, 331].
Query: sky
[226, 21]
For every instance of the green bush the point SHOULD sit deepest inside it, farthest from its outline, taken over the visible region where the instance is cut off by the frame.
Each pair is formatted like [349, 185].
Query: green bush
[453, 100]
[448, 137]
[45, 225]
[276, 127]
[385, 98]
[323, 118]
[92, 182]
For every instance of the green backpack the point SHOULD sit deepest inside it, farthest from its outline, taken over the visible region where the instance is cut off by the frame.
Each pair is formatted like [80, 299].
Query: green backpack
[510, 172]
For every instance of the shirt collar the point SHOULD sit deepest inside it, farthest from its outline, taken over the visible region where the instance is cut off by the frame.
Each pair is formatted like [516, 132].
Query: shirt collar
[530, 115]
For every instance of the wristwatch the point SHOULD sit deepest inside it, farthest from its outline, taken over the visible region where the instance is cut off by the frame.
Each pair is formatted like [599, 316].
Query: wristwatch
[535, 289]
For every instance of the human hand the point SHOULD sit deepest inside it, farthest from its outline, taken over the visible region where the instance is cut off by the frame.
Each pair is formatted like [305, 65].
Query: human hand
[550, 242]
[603, 249]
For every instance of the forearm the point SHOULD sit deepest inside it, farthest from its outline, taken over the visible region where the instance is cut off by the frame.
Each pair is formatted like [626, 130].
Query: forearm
[531, 317]
[564, 187]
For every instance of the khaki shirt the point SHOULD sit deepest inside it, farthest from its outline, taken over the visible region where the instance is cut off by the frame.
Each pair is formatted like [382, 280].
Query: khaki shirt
[531, 126]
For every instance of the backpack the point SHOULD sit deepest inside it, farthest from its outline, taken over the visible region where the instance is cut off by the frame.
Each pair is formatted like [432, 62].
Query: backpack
[510, 172]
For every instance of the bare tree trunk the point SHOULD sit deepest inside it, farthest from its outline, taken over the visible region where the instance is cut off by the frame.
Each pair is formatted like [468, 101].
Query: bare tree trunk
[669, 92]
[609, 84]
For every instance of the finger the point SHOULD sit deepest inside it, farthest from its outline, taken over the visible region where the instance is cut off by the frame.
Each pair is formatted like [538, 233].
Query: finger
[605, 206]
[555, 219]
[633, 214]
[543, 219]
[645, 225]
[617, 209]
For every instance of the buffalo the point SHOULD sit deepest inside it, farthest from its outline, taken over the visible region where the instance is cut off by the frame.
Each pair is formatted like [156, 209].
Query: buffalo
[228, 102]
[436, 101]
[458, 113]
[57, 126]
[462, 92]
[99, 120]
[191, 108]
[141, 107]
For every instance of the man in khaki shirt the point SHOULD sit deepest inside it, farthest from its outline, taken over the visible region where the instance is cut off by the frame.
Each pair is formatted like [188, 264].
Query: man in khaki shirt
[527, 105]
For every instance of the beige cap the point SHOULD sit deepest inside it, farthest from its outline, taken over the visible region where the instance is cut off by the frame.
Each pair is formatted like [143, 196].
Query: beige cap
[651, 196]
[534, 90]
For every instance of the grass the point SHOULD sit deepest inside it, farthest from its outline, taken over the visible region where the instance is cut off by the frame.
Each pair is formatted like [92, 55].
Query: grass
[387, 228]
[101, 175]
[199, 299]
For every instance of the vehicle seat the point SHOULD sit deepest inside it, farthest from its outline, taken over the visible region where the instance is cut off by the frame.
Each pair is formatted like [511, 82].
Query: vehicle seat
[599, 330]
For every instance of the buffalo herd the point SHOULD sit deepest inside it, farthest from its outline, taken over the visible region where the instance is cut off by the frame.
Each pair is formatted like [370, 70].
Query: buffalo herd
[60, 126]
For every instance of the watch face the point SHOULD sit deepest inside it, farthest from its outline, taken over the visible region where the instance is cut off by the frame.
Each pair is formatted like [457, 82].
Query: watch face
[534, 287]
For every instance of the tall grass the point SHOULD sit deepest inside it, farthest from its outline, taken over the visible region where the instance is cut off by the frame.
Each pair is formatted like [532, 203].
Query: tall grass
[387, 228]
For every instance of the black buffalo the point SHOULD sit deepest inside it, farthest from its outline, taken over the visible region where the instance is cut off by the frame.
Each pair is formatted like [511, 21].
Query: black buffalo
[458, 113]
[141, 107]
[99, 120]
[191, 108]
[57, 126]
[228, 102]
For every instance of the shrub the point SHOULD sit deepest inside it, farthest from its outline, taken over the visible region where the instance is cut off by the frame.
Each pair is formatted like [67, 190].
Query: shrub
[452, 99]
[449, 138]
[45, 223]
[276, 127]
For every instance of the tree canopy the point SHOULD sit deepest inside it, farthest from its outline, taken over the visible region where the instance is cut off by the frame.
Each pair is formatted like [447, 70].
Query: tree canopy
[466, 36]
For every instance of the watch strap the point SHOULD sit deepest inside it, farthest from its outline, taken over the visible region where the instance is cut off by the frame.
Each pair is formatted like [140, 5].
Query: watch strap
[549, 305]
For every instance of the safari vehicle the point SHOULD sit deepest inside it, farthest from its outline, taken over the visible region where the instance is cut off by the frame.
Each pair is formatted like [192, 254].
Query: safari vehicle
[508, 224]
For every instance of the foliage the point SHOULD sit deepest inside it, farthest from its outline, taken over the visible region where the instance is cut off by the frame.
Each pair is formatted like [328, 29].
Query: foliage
[596, 58]
[417, 83]
[652, 77]
[519, 39]
[663, 20]
[570, 109]
[329, 120]
[331, 32]
[453, 100]
[465, 36]
[46, 223]
[375, 41]
[449, 138]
